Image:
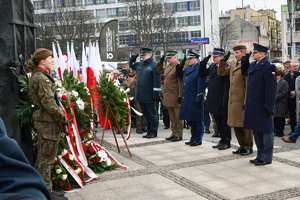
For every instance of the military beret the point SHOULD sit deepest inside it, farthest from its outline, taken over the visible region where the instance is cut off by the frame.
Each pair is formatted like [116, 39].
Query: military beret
[260, 48]
[239, 47]
[41, 53]
[192, 54]
[145, 50]
[218, 52]
[170, 53]
[288, 61]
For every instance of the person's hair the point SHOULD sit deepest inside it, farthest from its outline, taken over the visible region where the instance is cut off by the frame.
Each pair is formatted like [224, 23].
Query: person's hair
[280, 72]
[33, 63]
[241, 50]
[38, 55]
[279, 66]
[129, 75]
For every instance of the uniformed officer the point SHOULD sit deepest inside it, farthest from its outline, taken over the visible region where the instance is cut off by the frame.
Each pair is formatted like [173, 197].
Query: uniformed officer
[47, 114]
[260, 102]
[172, 93]
[192, 103]
[217, 97]
[237, 97]
[147, 89]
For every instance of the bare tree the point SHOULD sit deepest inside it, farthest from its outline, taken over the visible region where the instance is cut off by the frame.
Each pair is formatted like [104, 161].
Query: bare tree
[224, 35]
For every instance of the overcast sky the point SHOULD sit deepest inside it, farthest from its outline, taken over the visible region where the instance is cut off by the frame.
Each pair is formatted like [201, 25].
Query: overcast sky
[225, 5]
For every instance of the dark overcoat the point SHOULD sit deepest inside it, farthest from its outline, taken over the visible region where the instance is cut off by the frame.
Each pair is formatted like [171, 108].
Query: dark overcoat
[193, 91]
[218, 88]
[292, 83]
[281, 98]
[148, 81]
[261, 95]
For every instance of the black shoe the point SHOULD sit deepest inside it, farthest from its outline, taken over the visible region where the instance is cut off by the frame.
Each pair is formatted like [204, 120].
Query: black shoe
[195, 144]
[151, 136]
[224, 146]
[207, 131]
[189, 142]
[217, 146]
[260, 162]
[254, 160]
[188, 127]
[144, 129]
[139, 131]
[216, 134]
[166, 127]
[58, 194]
[246, 152]
[145, 136]
[170, 138]
[238, 151]
[175, 139]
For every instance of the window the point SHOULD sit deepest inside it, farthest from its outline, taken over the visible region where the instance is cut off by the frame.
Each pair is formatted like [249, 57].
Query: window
[195, 34]
[111, 1]
[170, 7]
[100, 13]
[297, 24]
[195, 20]
[194, 5]
[182, 7]
[133, 39]
[183, 21]
[183, 36]
[48, 17]
[38, 5]
[89, 2]
[57, 3]
[123, 40]
[111, 12]
[38, 18]
[78, 3]
[157, 38]
[47, 3]
[99, 1]
[296, 47]
[122, 12]
[123, 25]
[89, 12]
[68, 3]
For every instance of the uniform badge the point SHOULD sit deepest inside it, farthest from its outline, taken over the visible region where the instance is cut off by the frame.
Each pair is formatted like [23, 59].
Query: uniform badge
[47, 81]
[273, 73]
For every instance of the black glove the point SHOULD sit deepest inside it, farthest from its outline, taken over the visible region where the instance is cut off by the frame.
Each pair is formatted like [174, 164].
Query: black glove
[179, 100]
[198, 104]
[134, 57]
[206, 59]
[161, 60]
[226, 57]
[183, 61]
[247, 55]
[270, 111]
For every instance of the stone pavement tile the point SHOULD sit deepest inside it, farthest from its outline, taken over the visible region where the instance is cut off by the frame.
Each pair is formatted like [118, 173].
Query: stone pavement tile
[129, 191]
[287, 155]
[194, 197]
[77, 197]
[236, 192]
[286, 182]
[145, 196]
[103, 195]
[120, 183]
[295, 198]
[195, 174]
[218, 184]
[155, 182]
[263, 187]
[89, 188]
[226, 172]
[175, 193]
[211, 167]
[244, 179]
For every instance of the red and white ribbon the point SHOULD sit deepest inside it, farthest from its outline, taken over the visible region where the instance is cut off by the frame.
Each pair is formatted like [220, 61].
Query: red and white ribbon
[71, 171]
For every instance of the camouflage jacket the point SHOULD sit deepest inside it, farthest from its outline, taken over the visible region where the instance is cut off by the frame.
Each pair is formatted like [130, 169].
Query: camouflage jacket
[41, 91]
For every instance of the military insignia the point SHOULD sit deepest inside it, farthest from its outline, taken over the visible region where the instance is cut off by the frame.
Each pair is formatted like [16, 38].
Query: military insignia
[47, 81]
[273, 73]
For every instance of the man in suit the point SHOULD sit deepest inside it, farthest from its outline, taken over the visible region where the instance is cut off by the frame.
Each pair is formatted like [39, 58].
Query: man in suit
[217, 97]
[147, 89]
[172, 93]
[291, 79]
[237, 97]
[260, 102]
[192, 103]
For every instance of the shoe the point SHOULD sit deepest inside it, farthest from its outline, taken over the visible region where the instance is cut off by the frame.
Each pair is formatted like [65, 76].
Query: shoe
[238, 151]
[195, 144]
[175, 139]
[188, 127]
[151, 136]
[189, 142]
[170, 138]
[145, 136]
[144, 129]
[254, 160]
[58, 194]
[217, 146]
[224, 146]
[216, 134]
[139, 131]
[166, 127]
[260, 162]
[207, 131]
[246, 152]
[287, 140]
[281, 135]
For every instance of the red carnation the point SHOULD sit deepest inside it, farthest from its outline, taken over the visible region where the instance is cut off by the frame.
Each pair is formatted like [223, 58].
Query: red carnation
[68, 116]
[91, 150]
[85, 148]
[61, 125]
[127, 117]
[55, 161]
[135, 76]
[71, 129]
[63, 183]
[126, 105]
[98, 159]
[64, 97]
[127, 124]
[71, 105]
[82, 132]
[68, 188]
[89, 160]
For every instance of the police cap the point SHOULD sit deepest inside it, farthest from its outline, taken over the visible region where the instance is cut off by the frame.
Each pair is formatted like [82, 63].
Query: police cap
[260, 48]
[145, 50]
[170, 53]
[218, 52]
[192, 54]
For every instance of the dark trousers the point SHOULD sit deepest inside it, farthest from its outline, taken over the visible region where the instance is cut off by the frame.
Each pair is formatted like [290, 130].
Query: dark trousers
[150, 113]
[196, 130]
[206, 119]
[292, 111]
[264, 143]
[279, 123]
[223, 128]
[166, 118]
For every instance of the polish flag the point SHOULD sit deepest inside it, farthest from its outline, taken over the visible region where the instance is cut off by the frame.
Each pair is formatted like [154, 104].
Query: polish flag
[73, 62]
[84, 64]
[62, 64]
[56, 62]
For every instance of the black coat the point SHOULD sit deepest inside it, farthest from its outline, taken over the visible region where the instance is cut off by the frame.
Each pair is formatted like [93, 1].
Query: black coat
[218, 90]
[291, 82]
[281, 98]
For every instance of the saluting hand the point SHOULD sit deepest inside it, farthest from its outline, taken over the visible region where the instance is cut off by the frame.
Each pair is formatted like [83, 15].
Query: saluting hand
[226, 57]
[161, 60]
[205, 60]
[134, 57]
[247, 55]
[182, 63]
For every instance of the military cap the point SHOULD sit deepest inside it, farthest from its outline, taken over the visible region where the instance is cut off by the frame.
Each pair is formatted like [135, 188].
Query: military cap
[218, 52]
[192, 54]
[145, 50]
[261, 48]
[239, 47]
[170, 53]
[41, 53]
[288, 61]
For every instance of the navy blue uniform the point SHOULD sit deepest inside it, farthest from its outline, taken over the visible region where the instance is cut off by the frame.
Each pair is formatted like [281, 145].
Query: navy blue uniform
[193, 90]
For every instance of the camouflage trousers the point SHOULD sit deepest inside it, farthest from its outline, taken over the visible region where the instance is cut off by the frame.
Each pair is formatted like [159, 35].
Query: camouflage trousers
[47, 146]
[140, 120]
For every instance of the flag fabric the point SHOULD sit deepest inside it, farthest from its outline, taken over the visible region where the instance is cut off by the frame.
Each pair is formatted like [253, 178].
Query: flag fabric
[69, 56]
[62, 63]
[73, 62]
[98, 66]
[84, 64]
[56, 62]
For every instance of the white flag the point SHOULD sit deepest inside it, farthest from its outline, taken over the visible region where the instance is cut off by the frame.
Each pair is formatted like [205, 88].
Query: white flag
[98, 66]
[84, 64]
[69, 56]
[73, 62]
[56, 62]
[62, 63]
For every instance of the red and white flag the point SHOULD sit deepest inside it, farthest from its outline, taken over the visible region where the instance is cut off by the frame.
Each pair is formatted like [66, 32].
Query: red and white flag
[62, 64]
[73, 62]
[56, 62]
[84, 64]
[69, 56]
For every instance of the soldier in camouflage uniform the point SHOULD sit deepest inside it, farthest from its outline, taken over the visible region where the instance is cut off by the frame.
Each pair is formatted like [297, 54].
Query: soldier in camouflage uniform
[47, 114]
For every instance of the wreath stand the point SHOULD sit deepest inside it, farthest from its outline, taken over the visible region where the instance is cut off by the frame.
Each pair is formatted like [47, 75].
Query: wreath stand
[113, 118]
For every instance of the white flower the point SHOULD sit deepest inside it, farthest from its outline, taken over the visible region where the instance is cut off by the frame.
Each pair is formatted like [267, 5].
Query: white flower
[102, 154]
[32, 105]
[64, 177]
[108, 162]
[71, 157]
[21, 90]
[80, 104]
[127, 90]
[58, 171]
[116, 83]
[78, 170]
[74, 93]
[57, 82]
[80, 158]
